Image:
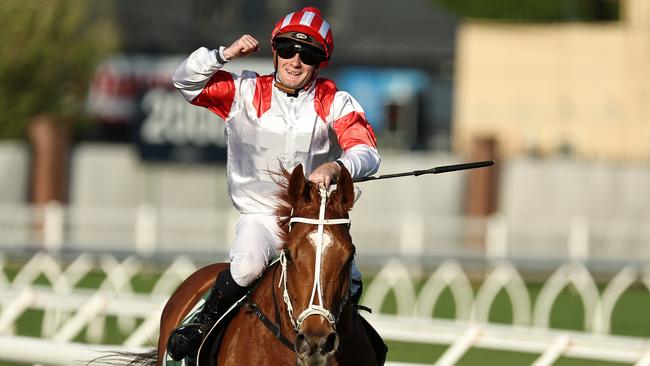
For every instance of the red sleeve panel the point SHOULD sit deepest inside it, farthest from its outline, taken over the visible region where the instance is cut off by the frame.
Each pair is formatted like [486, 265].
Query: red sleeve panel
[263, 94]
[218, 95]
[325, 92]
[353, 129]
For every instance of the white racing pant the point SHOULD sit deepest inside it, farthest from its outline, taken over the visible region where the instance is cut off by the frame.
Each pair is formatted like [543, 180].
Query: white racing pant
[256, 244]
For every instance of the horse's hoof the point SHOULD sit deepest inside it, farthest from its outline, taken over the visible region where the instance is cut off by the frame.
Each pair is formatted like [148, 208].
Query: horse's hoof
[185, 341]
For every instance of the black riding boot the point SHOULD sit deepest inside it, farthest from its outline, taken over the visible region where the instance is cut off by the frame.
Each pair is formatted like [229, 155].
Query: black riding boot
[185, 340]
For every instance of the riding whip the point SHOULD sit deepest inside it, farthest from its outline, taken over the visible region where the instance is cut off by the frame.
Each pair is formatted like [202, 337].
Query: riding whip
[436, 170]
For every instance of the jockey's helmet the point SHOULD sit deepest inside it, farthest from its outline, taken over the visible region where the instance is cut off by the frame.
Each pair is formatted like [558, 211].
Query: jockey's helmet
[308, 27]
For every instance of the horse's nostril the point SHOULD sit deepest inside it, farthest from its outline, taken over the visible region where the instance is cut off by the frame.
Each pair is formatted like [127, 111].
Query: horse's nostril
[329, 344]
[302, 346]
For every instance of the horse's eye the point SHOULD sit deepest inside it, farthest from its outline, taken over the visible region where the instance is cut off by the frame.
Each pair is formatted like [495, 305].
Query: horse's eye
[287, 255]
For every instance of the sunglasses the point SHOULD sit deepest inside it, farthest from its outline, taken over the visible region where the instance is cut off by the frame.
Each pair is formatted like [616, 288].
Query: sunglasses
[308, 55]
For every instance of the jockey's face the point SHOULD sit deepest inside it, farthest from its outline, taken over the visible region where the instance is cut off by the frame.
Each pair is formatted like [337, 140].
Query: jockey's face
[293, 71]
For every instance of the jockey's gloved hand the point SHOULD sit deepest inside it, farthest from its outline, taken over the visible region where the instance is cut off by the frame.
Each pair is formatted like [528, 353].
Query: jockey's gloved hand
[325, 174]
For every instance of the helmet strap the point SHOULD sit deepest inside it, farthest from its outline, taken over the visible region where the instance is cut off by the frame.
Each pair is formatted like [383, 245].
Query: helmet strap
[290, 91]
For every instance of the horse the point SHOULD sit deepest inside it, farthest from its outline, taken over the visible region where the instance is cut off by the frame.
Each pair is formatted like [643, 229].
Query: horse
[299, 311]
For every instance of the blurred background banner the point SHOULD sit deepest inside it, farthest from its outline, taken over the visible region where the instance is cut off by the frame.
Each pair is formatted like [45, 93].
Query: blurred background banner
[133, 94]
[101, 156]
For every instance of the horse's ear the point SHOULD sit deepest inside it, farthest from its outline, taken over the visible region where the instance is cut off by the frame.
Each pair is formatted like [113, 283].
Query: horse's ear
[297, 186]
[345, 189]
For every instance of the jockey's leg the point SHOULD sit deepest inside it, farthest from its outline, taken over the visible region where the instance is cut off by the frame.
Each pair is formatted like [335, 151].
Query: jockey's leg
[224, 293]
[356, 286]
[255, 244]
[185, 340]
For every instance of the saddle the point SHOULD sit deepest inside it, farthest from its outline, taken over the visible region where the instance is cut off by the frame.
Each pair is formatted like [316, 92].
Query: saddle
[211, 344]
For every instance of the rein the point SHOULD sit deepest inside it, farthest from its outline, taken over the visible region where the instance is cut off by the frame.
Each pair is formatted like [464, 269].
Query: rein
[275, 328]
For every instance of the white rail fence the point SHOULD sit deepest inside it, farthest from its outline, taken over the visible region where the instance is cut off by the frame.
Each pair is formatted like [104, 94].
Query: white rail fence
[598, 309]
[40, 351]
[549, 345]
[148, 230]
[68, 309]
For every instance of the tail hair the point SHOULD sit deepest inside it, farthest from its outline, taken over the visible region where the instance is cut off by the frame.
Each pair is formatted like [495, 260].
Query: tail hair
[149, 358]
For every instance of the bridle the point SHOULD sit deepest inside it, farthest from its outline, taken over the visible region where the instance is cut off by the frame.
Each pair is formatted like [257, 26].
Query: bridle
[313, 308]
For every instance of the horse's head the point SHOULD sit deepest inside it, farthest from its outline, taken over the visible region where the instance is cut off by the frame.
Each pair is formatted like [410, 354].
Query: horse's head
[317, 254]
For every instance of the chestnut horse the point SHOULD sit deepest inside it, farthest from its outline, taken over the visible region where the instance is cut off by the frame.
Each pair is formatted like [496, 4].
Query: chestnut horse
[299, 311]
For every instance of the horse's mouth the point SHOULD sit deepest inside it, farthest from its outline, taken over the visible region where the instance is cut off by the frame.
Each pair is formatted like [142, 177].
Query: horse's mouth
[315, 351]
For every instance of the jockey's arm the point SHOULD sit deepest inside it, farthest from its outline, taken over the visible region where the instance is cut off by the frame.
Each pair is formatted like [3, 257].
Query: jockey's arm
[355, 136]
[194, 74]
[360, 161]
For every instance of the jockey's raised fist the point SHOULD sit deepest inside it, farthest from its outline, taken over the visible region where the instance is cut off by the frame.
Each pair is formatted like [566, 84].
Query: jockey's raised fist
[246, 45]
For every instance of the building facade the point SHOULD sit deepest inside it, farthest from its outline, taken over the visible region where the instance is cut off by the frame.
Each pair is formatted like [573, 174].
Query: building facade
[572, 89]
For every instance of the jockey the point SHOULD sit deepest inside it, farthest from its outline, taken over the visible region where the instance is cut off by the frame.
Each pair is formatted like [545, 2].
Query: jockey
[290, 117]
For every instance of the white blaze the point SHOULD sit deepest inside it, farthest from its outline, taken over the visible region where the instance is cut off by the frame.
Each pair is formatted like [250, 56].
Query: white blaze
[313, 239]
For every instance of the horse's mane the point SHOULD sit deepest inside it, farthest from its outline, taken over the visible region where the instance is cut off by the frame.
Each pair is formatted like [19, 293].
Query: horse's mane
[284, 208]
[307, 203]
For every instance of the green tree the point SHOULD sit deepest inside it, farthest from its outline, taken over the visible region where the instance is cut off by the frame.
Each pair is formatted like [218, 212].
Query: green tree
[49, 51]
[534, 10]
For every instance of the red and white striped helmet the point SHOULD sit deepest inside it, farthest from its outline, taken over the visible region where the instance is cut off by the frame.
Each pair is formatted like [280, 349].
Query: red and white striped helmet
[310, 23]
